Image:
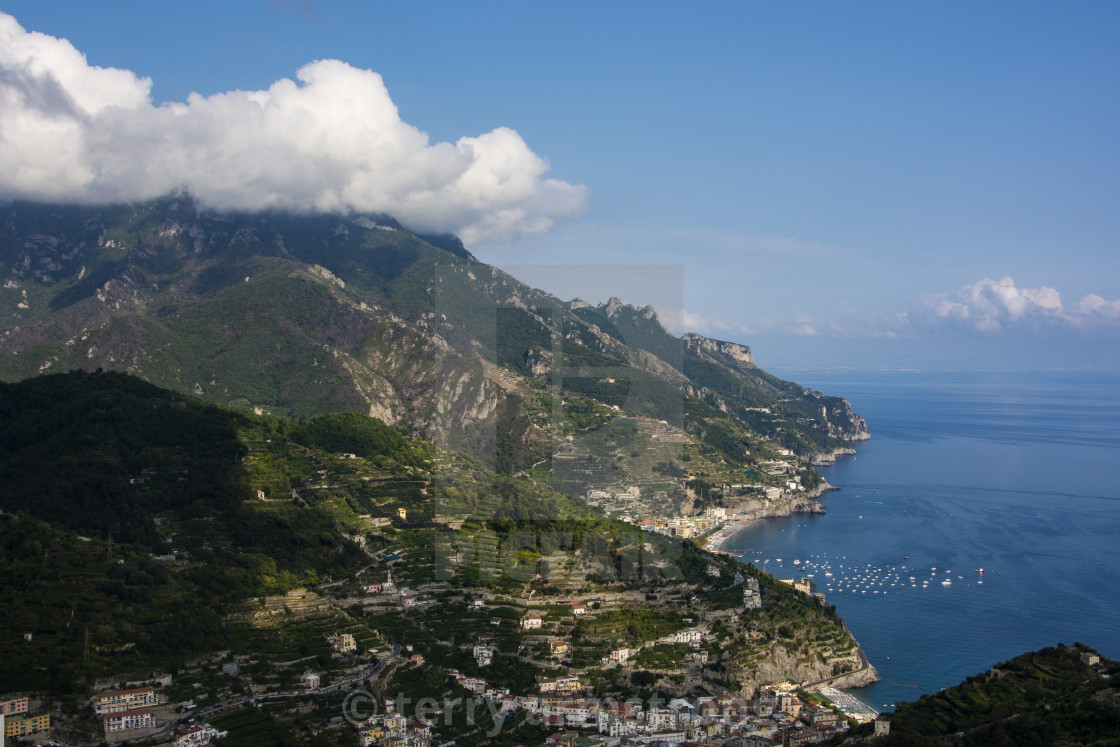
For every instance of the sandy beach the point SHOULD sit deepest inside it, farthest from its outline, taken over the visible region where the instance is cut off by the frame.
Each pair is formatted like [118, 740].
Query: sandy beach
[719, 538]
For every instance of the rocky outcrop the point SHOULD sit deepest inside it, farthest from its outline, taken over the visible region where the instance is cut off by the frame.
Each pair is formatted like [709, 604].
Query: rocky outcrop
[700, 344]
[831, 456]
[762, 508]
[783, 663]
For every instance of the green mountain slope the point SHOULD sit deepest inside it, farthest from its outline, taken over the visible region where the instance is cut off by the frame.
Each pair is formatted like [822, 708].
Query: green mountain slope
[302, 315]
[1057, 696]
[144, 530]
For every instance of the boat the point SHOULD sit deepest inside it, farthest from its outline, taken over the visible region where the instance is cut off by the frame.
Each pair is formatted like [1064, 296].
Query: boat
[979, 570]
[946, 582]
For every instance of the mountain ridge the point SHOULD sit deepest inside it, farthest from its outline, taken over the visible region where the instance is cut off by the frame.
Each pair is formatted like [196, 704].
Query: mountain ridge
[304, 314]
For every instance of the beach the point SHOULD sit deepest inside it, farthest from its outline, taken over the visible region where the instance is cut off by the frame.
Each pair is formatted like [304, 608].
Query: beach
[717, 540]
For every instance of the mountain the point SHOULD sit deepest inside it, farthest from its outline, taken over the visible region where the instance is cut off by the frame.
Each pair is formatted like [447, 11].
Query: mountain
[1064, 695]
[144, 533]
[301, 315]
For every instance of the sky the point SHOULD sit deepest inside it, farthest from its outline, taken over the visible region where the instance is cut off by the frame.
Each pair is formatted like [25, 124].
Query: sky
[838, 185]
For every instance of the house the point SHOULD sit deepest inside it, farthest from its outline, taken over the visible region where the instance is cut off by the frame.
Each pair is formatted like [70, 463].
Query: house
[559, 684]
[798, 737]
[495, 621]
[507, 704]
[661, 719]
[119, 701]
[483, 655]
[752, 595]
[698, 658]
[779, 699]
[1090, 659]
[815, 714]
[621, 726]
[563, 740]
[195, 736]
[373, 588]
[310, 681]
[579, 608]
[24, 725]
[532, 621]
[344, 643]
[616, 656]
[371, 734]
[140, 718]
[691, 636]
[14, 707]
[559, 647]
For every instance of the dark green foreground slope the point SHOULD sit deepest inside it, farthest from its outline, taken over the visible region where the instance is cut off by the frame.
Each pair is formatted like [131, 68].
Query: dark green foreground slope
[1048, 697]
[145, 531]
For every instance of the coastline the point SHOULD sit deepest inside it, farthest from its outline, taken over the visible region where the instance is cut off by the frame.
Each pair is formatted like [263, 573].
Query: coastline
[718, 540]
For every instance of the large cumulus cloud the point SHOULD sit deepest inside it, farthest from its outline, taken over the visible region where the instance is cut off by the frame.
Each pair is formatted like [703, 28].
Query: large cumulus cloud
[991, 305]
[331, 140]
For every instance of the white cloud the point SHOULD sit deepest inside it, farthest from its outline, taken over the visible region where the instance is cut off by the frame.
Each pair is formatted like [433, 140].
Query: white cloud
[1094, 309]
[330, 141]
[804, 329]
[690, 320]
[991, 305]
[679, 321]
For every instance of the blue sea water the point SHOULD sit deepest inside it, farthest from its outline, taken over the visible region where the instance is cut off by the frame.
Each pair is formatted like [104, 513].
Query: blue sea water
[1014, 473]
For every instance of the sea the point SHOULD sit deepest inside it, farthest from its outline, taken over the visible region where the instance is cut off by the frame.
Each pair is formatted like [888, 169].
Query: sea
[1012, 473]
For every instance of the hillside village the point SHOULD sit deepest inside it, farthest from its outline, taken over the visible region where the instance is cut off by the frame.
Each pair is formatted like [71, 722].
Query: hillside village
[252, 563]
[575, 641]
[407, 571]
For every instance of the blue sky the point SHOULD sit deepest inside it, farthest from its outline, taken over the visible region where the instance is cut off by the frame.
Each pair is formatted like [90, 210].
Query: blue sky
[870, 184]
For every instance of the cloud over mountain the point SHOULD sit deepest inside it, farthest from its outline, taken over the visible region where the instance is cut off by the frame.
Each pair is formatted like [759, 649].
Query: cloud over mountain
[332, 140]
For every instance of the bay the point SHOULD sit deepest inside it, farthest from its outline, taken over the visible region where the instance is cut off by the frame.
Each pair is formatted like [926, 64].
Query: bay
[1014, 473]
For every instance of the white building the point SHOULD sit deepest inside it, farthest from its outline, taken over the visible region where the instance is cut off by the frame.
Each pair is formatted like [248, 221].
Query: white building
[195, 736]
[126, 720]
[119, 701]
